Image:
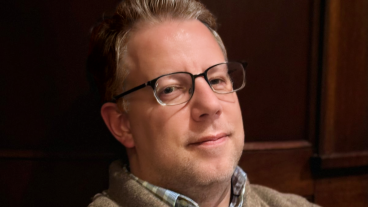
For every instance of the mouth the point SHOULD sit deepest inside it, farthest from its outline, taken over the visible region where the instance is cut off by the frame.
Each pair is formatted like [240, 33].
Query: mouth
[211, 140]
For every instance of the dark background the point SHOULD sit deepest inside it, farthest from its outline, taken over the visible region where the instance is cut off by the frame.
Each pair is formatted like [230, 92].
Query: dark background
[305, 106]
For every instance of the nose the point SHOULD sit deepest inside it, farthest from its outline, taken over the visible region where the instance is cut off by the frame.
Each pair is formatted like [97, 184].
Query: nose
[205, 104]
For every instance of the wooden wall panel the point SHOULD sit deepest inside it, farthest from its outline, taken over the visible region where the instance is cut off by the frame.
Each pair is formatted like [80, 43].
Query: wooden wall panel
[45, 97]
[42, 182]
[344, 121]
[286, 170]
[343, 145]
[342, 191]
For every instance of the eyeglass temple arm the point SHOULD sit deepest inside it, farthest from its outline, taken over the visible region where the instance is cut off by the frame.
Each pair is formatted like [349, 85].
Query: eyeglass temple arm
[115, 98]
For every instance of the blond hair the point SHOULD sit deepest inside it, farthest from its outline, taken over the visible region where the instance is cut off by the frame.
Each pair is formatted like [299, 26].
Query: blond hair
[110, 37]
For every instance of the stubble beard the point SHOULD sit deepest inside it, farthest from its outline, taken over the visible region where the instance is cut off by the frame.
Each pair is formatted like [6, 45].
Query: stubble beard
[189, 178]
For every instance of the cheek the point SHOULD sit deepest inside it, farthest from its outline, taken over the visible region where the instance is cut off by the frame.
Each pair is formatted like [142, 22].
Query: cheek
[231, 98]
[162, 125]
[234, 115]
[231, 105]
[170, 123]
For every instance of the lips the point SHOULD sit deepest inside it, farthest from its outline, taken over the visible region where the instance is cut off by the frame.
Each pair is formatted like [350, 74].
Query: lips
[211, 139]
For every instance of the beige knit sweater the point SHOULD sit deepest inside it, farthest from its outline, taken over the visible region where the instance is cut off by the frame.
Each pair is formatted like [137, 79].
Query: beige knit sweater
[125, 192]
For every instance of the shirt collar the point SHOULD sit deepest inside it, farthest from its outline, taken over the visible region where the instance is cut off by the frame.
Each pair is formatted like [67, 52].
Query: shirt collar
[173, 199]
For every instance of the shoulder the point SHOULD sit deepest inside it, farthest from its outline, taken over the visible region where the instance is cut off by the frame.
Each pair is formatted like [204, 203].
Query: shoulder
[101, 200]
[263, 196]
[124, 191]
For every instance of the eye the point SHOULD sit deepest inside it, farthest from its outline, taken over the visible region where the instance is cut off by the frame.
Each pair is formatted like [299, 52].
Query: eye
[216, 81]
[168, 90]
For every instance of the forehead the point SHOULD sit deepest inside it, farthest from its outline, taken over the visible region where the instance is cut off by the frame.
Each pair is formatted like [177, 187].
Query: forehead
[155, 49]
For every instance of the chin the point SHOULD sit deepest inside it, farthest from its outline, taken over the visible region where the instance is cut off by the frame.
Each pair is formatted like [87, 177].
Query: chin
[201, 170]
[216, 171]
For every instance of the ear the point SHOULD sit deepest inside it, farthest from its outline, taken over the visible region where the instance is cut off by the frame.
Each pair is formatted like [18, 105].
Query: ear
[118, 124]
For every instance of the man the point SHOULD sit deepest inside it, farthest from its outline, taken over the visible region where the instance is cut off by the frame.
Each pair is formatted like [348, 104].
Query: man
[170, 100]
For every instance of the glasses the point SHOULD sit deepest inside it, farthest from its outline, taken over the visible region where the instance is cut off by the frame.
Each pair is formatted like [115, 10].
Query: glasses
[177, 88]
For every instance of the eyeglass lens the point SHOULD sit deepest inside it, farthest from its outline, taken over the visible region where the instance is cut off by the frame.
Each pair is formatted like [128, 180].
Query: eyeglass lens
[177, 88]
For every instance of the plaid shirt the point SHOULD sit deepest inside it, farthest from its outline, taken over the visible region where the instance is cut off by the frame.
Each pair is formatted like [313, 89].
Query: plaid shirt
[173, 199]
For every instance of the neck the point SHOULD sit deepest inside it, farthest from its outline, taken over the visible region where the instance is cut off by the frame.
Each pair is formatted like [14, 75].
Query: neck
[217, 194]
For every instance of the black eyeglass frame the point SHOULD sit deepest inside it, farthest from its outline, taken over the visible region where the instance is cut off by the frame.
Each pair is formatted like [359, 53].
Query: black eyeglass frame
[204, 74]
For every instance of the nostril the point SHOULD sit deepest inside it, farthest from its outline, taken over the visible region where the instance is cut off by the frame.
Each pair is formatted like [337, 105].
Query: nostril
[217, 113]
[203, 115]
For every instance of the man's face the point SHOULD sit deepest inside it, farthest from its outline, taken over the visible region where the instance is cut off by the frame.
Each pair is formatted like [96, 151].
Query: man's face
[197, 142]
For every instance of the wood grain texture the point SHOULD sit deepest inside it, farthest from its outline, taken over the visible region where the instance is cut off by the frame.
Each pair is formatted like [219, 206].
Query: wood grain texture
[284, 170]
[257, 146]
[344, 160]
[344, 125]
[51, 183]
[342, 191]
